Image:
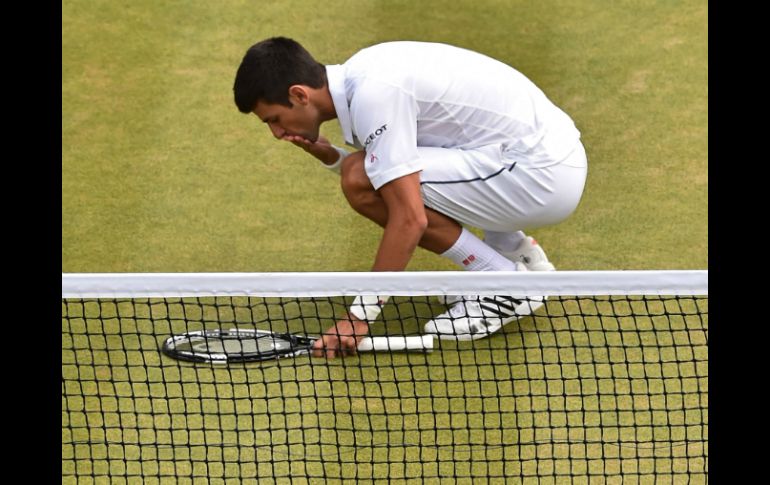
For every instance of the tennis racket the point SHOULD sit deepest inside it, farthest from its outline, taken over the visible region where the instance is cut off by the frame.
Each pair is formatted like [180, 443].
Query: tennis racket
[253, 345]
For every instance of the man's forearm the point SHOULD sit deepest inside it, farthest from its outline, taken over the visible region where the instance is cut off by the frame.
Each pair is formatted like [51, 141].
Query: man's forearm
[406, 224]
[398, 244]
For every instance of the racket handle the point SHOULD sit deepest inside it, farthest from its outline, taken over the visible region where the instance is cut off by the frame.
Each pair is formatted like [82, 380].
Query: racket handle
[418, 343]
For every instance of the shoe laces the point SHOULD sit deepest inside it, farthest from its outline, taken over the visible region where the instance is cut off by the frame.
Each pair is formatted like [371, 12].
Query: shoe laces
[461, 306]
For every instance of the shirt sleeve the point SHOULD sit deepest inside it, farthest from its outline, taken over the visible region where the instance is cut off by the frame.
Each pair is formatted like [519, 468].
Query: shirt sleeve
[384, 118]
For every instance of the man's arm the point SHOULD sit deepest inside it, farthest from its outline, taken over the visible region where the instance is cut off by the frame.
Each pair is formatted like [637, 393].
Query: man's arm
[385, 116]
[406, 224]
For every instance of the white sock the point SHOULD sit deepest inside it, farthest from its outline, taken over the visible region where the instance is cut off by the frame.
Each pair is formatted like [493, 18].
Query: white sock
[472, 254]
[504, 242]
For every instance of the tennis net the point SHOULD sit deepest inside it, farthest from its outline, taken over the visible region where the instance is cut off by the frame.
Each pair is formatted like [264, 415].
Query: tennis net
[606, 382]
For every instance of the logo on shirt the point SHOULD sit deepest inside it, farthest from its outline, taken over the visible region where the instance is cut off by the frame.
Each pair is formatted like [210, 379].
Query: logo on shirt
[373, 158]
[379, 131]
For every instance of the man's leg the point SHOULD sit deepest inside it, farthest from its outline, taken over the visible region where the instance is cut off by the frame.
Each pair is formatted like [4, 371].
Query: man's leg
[444, 235]
[484, 189]
[504, 241]
[442, 231]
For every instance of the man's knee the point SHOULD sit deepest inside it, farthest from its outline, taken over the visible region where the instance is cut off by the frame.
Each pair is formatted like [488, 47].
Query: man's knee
[356, 185]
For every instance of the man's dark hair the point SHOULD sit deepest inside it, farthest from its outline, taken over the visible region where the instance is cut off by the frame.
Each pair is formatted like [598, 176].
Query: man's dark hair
[269, 68]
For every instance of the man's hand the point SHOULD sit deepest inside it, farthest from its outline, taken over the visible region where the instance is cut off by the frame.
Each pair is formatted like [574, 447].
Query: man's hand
[322, 149]
[341, 339]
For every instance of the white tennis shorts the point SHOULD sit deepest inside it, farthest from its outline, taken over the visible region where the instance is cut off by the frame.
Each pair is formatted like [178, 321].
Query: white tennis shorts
[488, 189]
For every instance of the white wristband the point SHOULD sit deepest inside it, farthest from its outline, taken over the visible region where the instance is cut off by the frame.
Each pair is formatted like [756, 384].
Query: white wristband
[367, 308]
[336, 166]
[343, 153]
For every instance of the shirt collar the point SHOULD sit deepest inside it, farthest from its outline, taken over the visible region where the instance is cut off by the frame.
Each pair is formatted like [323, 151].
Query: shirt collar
[335, 76]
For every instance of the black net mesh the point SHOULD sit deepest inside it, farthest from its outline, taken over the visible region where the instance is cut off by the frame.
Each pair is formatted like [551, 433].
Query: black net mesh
[588, 390]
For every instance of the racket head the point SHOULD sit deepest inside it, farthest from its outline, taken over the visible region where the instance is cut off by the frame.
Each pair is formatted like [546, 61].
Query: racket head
[223, 346]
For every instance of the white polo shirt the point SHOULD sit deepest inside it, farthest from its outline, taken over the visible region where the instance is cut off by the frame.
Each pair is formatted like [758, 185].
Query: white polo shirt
[394, 97]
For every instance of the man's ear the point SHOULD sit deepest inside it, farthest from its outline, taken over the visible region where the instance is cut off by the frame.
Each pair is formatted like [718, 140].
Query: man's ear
[299, 94]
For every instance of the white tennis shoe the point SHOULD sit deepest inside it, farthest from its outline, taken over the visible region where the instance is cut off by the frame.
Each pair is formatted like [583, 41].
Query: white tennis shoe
[528, 254]
[531, 254]
[475, 317]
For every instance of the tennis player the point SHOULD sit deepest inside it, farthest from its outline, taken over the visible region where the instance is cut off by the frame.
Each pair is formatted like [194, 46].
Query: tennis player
[443, 137]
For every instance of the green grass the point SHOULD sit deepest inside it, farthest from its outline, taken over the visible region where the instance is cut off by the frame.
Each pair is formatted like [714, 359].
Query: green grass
[558, 395]
[160, 172]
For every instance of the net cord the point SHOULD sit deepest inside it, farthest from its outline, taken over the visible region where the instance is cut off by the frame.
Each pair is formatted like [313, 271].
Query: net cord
[325, 284]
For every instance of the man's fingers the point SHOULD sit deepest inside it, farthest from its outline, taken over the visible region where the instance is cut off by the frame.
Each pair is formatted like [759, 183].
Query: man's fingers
[318, 348]
[328, 346]
[297, 140]
[348, 346]
[332, 346]
[340, 340]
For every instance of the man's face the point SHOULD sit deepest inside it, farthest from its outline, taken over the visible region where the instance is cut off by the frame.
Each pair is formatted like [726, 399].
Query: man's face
[302, 119]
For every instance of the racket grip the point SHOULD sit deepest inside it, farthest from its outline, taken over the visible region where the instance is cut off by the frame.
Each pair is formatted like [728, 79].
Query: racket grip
[417, 343]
